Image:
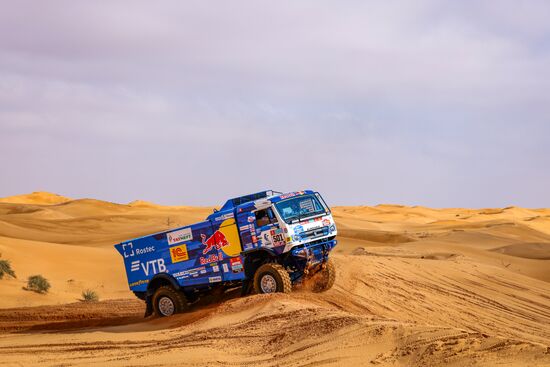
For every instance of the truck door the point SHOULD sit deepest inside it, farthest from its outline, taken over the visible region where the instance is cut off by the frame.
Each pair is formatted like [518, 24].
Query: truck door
[268, 232]
[247, 229]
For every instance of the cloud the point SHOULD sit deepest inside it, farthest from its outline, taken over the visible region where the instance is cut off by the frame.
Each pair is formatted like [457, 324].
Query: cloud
[435, 103]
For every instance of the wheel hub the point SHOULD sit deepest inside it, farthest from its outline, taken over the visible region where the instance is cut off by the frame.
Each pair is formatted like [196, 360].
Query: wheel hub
[166, 306]
[268, 284]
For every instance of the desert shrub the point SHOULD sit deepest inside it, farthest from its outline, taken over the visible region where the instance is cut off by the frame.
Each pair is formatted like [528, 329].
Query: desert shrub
[90, 296]
[5, 268]
[37, 283]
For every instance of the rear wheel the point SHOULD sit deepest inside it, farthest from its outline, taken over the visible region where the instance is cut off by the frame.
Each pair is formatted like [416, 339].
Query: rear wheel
[167, 301]
[272, 278]
[325, 278]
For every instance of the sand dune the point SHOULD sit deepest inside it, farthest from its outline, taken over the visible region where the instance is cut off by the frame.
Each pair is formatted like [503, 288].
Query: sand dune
[527, 250]
[37, 197]
[415, 286]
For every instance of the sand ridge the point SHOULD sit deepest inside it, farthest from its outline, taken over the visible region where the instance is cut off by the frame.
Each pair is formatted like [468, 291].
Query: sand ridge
[415, 286]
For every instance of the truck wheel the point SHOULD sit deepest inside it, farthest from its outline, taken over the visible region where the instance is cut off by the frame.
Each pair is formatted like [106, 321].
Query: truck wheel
[271, 278]
[324, 279]
[167, 301]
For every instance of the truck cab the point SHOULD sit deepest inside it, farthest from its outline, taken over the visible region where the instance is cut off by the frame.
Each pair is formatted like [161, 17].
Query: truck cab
[264, 242]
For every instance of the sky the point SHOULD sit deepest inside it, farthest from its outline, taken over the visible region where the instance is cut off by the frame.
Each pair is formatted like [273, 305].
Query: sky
[435, 103]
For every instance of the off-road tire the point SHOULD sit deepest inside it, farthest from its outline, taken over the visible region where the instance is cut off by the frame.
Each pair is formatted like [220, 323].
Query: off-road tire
[178, 299]
[278, 273]
[325, 278]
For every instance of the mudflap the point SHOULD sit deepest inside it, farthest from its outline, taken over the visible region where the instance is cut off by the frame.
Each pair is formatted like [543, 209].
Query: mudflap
[246, 288]
[148, 306]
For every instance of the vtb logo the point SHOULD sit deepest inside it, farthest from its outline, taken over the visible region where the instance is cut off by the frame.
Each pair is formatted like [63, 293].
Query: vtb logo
[179, 253]
[152, 266]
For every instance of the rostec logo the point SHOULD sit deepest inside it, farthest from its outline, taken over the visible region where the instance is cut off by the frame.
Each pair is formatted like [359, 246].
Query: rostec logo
[128, 249]
[182, 235]
[152, 266]
[141, 251]
[179, 253]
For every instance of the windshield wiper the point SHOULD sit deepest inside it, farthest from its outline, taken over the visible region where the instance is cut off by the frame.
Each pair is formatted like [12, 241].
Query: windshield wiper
[292, 217]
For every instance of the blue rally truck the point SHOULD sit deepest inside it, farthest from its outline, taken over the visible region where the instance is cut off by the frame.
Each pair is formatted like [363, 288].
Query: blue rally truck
[266, 242]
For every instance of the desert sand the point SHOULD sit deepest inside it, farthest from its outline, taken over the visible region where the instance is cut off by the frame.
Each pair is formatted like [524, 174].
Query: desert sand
[415, 287]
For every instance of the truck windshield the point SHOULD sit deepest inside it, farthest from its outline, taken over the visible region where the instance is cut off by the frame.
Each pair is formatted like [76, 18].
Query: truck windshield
[300, 207]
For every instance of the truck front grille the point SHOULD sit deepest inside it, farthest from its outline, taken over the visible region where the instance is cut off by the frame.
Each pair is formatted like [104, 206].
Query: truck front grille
[314, 233]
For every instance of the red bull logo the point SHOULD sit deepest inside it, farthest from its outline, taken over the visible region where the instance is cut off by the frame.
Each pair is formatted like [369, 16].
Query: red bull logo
[217, 241]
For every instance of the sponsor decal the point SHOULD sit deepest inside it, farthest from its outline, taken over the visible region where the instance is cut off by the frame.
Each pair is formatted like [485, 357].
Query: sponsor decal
[225, 268]
[216, 269]
[210, 259]
[224, 217]
[145, 250]
[254, 239]
[244, 228]
[179, 253]
[307, 205]
[215, 279]
[291, 194]
[187, 273]
[298, 229]
[266, 238]
[152, 266]
[250, 219]
[128, 249]
[139, 282]
[236, 264]
[326, 222]
[276, 231]
[217, 241]
[182, 235]
[134, 265]
[286, 196]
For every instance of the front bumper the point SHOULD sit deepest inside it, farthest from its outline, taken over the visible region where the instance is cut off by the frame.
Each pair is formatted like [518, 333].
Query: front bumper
[314, 253]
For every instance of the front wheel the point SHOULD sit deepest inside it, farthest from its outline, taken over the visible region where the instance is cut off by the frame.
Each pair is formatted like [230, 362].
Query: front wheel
[325, 278]
[272, 278]
[167, 301]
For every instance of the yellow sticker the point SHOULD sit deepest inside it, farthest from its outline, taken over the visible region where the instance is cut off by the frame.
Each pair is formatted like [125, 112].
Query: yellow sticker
[179, 253]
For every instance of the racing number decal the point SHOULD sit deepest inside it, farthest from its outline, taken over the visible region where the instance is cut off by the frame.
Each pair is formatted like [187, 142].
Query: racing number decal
[278, 239]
